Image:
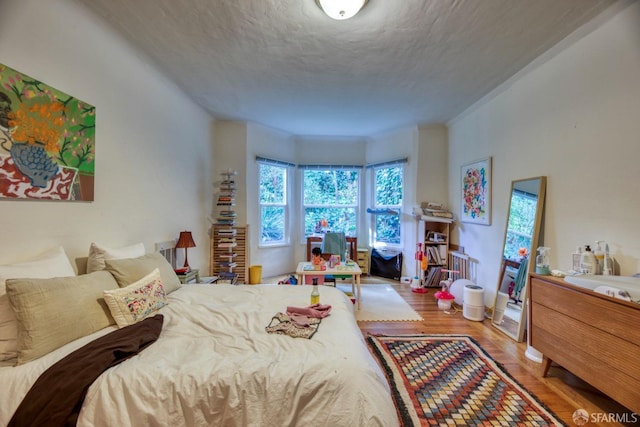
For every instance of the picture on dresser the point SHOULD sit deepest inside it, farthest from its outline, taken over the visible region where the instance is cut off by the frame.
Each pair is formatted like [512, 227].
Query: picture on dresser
[47, 141]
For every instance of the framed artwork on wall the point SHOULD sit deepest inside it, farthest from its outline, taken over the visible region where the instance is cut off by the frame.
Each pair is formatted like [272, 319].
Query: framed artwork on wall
[47, 141]
[475, 206]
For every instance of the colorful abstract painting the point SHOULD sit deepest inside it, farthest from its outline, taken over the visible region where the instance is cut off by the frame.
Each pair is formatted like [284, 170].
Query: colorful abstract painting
[476, 192]
[47, 141]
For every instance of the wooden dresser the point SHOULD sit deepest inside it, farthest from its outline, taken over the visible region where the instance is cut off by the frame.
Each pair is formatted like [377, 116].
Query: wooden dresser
[594, 336]
[363, 260]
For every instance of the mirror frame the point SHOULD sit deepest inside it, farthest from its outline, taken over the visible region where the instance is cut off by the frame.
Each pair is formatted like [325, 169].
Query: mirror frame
[535, 242]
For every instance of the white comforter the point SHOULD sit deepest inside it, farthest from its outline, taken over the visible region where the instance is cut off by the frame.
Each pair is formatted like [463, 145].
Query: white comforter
[214, 365]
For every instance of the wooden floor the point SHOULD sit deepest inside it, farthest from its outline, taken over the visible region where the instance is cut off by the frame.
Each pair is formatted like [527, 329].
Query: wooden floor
[562, 392]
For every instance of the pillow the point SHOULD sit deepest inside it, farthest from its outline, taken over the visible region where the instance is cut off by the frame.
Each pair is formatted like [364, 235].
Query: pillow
[52, 263]
[137, 301]
[127, 271]
[53, 312]
[98, 254]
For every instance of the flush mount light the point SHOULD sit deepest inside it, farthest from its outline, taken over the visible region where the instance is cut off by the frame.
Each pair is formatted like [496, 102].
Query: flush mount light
[341, 9]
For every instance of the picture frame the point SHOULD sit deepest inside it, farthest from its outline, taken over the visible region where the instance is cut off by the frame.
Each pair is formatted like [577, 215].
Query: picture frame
[475, 200]
[47, 141]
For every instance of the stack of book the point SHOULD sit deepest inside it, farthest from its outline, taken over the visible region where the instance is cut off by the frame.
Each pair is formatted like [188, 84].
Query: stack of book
[227, 217]
[227, 277]
[436, 209]
[434, 255]
[226, 233]
[434, 277]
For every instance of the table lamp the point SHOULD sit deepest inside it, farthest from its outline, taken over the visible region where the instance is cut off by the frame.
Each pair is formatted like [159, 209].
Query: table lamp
[185, 241]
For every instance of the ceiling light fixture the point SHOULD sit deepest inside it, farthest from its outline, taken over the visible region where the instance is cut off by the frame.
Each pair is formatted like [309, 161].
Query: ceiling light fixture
[341, 9]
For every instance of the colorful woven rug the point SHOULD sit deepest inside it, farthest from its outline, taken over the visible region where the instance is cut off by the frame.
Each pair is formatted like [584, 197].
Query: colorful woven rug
[450, 380]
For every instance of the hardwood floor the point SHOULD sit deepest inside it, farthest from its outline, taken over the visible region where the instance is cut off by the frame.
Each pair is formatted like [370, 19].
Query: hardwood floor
[562, 392]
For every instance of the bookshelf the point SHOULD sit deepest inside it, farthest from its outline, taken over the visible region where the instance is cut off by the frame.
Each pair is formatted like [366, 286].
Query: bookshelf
[434, 233]
[224, 233]
[233, 260]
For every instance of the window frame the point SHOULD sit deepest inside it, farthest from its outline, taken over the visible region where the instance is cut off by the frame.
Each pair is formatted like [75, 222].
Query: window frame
[355, 206]
[374, 202]
[285, 204]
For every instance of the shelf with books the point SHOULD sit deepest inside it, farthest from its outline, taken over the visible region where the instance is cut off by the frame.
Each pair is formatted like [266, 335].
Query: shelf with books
[433, 233]
[229, 259]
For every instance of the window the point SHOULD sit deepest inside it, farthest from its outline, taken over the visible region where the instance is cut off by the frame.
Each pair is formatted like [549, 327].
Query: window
[330, 199]
[273, 203]
[388, 195]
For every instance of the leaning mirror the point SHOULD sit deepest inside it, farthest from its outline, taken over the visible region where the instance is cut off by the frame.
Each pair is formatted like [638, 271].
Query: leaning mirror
[522, 232]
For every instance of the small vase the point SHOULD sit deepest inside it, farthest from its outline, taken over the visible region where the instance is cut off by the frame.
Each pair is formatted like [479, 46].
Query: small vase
[34, 162]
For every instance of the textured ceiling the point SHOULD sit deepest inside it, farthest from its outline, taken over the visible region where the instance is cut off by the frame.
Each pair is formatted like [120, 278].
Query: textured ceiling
[286, 65]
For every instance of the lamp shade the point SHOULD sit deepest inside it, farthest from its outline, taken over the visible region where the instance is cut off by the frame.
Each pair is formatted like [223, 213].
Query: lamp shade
[341, 9]
[185, 240]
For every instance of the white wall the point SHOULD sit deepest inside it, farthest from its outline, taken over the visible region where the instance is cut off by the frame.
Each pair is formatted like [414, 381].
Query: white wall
[433, 174]
[153, 145]
[573, 117]
[277, 145]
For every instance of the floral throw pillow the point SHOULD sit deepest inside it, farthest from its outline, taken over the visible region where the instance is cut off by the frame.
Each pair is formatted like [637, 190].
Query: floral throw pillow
[137, 301]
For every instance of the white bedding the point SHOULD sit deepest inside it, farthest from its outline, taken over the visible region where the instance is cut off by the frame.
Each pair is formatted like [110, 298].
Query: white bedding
[215, 365]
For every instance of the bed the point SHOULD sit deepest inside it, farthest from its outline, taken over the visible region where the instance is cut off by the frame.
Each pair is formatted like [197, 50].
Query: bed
[214, 364]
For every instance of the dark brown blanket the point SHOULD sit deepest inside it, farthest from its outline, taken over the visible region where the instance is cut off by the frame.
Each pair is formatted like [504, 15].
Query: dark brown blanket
[57, 396]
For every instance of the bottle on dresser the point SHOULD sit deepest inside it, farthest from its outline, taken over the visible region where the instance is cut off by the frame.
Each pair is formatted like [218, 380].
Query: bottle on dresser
[588, 261]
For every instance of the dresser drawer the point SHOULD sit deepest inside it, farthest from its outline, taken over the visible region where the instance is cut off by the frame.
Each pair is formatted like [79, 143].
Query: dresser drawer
[363, 260]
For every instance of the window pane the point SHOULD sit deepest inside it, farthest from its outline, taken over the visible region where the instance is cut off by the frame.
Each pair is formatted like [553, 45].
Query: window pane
[338, 220]
[330, 197]
[273, 200]
[388, 229]
[388, 194]
[389, 186]
[330, 187]
[272, 219]
[272, 184]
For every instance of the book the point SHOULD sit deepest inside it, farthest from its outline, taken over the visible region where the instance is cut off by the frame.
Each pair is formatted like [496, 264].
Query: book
[443, 214]
[433, 278]
[227, 264]
[227, 244]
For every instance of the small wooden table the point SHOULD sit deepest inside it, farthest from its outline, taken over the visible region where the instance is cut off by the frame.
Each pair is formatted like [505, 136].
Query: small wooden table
[354, 271]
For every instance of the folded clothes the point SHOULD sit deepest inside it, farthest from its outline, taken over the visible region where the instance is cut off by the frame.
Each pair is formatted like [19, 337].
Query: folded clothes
[285, 325]
[316, 310]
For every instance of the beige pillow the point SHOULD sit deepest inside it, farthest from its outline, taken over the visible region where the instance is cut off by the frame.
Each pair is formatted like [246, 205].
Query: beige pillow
[98, 254]
[53, 312]
[53, 263]
[137, 301]
[127, 271]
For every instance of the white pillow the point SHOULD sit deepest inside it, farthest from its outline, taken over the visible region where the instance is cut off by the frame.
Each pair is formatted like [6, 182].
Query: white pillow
[137, 301]
[53, 312]
[53, 263]
[98, 254]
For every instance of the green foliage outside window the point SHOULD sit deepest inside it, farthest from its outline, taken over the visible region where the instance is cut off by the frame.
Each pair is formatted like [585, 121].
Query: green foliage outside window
[273, 199]
[388, 194]
[331, 195]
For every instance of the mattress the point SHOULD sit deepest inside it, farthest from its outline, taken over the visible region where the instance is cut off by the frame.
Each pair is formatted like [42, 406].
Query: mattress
[214, 364]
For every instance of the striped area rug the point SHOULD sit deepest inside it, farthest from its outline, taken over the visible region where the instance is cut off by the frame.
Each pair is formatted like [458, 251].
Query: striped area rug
[449, 380]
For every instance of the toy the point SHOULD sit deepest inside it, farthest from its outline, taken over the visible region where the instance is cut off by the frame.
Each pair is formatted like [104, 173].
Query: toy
[444, 299]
